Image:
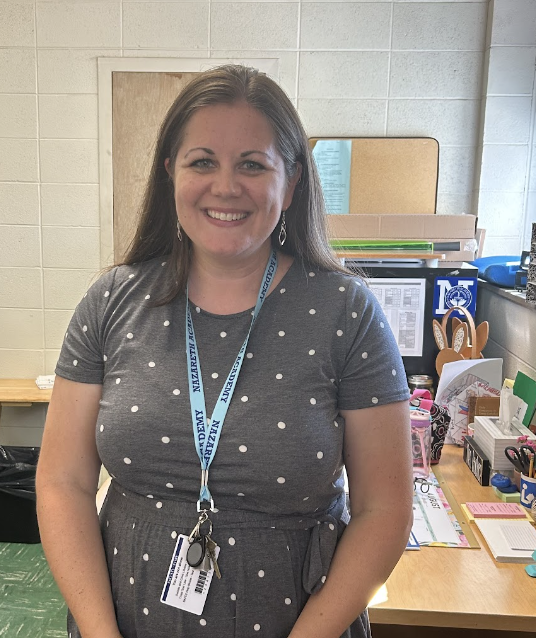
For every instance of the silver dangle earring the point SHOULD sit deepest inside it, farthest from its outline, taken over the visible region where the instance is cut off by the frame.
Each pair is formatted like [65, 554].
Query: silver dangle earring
[179, 234]
[283, 229]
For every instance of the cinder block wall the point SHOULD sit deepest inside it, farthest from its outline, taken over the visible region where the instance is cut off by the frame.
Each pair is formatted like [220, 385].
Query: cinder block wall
[398, 68]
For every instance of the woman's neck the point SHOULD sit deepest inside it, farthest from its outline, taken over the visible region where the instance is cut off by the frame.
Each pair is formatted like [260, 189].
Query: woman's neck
[226, 288]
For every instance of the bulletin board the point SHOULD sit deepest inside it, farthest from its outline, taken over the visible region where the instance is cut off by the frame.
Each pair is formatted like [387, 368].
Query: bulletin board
[393, 175]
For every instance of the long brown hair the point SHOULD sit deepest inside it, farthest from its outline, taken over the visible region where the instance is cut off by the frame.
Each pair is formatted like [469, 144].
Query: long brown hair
[156, 235]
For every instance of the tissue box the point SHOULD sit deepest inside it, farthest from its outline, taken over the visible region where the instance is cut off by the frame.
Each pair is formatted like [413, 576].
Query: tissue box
[493, 441]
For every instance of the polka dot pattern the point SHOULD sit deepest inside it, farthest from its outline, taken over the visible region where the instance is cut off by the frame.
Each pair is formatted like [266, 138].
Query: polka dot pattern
[314, 342]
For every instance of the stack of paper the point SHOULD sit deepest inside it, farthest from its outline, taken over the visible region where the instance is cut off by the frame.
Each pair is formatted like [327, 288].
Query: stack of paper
[493, 440]
[509, 541]
[45, 381]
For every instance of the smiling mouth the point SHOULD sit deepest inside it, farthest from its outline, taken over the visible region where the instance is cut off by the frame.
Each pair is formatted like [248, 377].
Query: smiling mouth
[225, 217]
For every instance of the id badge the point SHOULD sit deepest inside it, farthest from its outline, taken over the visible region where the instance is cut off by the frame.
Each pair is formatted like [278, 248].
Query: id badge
[186, 588]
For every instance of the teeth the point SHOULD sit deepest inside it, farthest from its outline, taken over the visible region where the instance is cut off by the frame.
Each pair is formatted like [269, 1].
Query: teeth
[226, 217]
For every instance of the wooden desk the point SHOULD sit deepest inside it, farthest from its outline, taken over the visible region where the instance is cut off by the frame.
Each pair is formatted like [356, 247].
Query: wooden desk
[21, 393]
[444, 587]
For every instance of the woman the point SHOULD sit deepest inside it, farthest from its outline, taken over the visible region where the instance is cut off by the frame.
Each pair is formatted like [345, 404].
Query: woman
[233, 220]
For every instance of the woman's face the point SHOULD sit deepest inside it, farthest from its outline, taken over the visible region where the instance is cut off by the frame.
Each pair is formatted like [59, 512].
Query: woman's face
[230, 183]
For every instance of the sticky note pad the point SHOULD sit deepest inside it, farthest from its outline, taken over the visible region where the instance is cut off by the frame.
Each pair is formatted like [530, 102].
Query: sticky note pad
[512, 497]
[495, 510]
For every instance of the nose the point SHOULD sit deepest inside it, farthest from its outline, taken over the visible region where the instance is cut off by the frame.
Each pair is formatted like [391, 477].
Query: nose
[226, 183]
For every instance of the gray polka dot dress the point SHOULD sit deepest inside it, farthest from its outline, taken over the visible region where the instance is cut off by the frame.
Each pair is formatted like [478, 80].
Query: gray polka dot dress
[320, 344]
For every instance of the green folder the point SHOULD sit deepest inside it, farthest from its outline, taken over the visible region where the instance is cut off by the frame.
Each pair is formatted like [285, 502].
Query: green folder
[525, 389]
[381, 244]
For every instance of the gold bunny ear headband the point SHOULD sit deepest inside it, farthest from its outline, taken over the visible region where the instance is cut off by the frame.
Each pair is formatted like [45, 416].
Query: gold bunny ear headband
[467, 341]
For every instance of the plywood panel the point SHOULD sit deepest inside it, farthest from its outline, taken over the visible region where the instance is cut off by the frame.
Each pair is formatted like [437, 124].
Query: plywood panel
[393, 175]
[140, 102]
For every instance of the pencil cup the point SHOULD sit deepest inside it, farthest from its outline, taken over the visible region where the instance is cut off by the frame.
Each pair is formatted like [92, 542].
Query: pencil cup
[421, 442]
[527, 491]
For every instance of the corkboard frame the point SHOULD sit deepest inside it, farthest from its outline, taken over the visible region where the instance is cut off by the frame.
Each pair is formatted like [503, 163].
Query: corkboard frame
[392, 175]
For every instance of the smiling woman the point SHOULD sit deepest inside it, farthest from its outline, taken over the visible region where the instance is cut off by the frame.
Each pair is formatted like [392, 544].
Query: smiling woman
[254, 137]
[229, 340]
[230, 186]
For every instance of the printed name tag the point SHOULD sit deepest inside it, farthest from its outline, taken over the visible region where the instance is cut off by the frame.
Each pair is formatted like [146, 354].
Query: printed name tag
[186, 588]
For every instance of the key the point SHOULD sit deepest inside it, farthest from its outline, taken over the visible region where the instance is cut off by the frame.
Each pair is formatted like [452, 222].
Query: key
[206, 565]
[211, 551]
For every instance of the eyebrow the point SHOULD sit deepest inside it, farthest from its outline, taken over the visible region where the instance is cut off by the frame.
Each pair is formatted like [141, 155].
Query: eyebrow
[211, 152]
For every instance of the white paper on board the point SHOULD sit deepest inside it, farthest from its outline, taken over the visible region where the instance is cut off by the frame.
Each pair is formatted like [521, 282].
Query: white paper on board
[333, 159]
[402, 301]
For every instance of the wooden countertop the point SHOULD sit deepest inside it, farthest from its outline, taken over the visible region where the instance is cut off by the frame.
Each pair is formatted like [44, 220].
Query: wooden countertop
[22, 391]
[451, 587]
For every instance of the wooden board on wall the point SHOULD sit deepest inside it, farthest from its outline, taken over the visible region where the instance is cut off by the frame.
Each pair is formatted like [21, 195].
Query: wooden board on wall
[393, 175]
[140, 102]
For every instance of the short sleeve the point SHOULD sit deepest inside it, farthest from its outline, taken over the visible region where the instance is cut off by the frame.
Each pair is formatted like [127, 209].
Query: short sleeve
[82, 354]
[373, 372]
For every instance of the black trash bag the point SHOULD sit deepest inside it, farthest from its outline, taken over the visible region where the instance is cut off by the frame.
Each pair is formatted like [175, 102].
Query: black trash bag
[17, 470]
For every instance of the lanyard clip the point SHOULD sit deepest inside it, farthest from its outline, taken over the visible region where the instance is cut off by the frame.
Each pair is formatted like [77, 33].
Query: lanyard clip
[203, 506]
[205, 502]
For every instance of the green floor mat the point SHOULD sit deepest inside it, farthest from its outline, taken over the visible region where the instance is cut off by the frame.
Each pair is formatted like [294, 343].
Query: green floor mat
[31, 605]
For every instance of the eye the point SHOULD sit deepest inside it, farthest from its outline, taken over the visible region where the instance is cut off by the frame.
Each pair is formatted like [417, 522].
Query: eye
[250, 165]
[204, 162]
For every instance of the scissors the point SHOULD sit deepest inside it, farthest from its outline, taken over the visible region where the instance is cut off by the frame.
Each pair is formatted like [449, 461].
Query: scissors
[520, 458]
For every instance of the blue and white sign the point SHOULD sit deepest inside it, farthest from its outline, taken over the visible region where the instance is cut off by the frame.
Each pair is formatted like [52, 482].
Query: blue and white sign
[454, 291]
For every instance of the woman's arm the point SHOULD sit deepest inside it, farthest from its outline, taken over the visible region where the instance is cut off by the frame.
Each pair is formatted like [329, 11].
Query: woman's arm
[67, 476]
[378, 462]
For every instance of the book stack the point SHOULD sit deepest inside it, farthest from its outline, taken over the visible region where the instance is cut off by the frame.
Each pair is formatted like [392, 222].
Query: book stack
[399, 236]
[493, 440]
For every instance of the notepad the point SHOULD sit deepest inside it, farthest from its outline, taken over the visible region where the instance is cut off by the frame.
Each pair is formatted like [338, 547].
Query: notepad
[496, 510]
[520, 539]
[502, 549]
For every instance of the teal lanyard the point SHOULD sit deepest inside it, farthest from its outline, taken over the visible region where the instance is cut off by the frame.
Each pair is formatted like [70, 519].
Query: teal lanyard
[207, 433]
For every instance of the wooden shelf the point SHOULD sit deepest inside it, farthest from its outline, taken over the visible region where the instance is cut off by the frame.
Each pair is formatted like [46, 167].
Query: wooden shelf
[22, 391]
